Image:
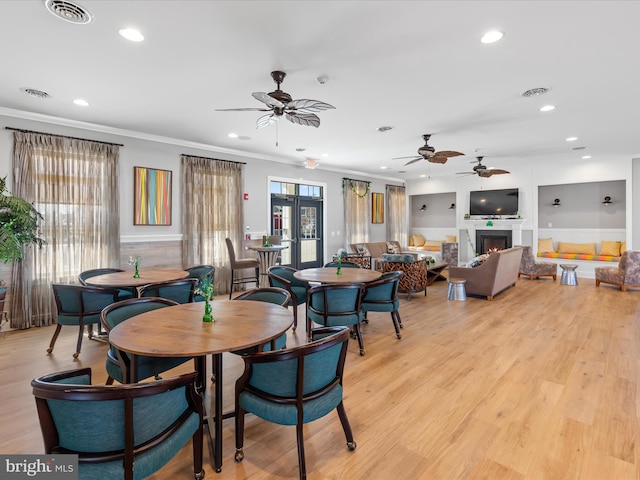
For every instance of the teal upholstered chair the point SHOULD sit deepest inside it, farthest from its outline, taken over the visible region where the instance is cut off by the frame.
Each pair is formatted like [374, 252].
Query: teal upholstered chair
[294, 387]
[331, 305]
[278, 296]
[345, 264]
[80, 306]
[282, 277]
[118, 362]
[200, 272]
[382, 296]
[119, 431]
[180, 291]
[123, 292]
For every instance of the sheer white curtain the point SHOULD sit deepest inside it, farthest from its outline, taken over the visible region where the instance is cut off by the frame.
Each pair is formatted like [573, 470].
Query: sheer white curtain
[212, 211]
[397, 226]
[357, 211]
[73, 183]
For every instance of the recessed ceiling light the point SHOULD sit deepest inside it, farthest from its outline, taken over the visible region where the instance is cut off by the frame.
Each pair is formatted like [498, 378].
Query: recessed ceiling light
[383, 168]
[492, 36]
[131, 34]
[547, 108]
[423, 175]
[81, 102]
[232, 135]
[571, 139]
[586, 157]
[325, 154]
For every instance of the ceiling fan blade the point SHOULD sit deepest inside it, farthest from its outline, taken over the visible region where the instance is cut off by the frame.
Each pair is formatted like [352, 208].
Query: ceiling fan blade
[417, 159]
[437, 159]
[267, 99]
[242, 109]
[403, 158]
[308, 119]
[448, 153]
[265, 120]
[466, 173]
[308, 106]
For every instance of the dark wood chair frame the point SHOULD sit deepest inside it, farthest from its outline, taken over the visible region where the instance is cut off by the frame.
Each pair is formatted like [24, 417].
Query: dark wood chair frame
[241, 264]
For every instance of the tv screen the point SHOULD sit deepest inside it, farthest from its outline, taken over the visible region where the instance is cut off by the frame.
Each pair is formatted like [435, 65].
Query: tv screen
[494, 202]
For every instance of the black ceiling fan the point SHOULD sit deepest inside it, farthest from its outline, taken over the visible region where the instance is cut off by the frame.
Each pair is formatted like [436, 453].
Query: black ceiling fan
[280, 104]
[428, 153]
[484, 171]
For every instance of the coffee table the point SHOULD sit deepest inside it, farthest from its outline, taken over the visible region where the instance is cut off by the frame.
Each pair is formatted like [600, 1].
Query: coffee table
[434, 272]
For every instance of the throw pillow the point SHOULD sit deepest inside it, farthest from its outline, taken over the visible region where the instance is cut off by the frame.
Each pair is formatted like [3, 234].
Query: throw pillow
[362, 250]
[582, 248]
[450, 239]
[418, 240]
[610, 248]
[392, 248]
[479, 260]
[545, 245]
[623, 247]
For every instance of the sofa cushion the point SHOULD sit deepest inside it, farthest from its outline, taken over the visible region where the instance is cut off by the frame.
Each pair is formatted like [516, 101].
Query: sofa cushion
[582, 248]
[450, 239]
[623, 247]
[545, 245]
[610, 248]
[417, 240]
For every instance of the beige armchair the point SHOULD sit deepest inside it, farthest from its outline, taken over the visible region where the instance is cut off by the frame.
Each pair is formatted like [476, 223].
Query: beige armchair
[533, 269]
[626, 274]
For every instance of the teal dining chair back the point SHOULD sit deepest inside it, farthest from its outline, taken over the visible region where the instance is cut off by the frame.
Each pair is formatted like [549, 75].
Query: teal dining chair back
[382, 296]
[79, 305]
[277, 296]
[282, 277]
[200, 272]
[332, 305]
[118, 363]
[180, 291]
[295, 386]
[124, 292]
[119, 431]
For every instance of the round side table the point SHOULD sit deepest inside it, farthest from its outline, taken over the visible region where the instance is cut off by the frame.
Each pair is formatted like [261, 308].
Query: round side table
[569, 276]
[457, 290]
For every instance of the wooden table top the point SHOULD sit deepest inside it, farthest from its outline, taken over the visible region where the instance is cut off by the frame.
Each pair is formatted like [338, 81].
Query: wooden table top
[178, 331]
[329, 275]
[125, 279]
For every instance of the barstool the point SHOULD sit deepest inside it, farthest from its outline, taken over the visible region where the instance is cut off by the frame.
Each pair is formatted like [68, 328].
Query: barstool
[569, 276]
[457, 290]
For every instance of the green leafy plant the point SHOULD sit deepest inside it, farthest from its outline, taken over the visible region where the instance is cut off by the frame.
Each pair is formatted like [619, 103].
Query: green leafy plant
[18, 225]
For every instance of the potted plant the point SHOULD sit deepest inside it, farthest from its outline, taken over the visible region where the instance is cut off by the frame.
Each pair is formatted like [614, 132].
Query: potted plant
[18, 227]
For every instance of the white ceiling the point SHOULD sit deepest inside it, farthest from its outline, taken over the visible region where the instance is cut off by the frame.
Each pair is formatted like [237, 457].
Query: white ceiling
[416, 66]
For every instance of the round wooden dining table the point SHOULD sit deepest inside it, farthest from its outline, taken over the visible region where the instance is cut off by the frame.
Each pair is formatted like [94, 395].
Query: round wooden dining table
[330, 275]
[126, 279]
[178, 331]
[268, 257]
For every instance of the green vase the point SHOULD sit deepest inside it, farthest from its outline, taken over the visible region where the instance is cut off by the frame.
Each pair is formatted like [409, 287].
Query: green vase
[207, 317]
[136, 274]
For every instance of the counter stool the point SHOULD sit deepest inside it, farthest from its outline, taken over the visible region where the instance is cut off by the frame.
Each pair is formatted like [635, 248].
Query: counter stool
[569, 276]
[457, 290]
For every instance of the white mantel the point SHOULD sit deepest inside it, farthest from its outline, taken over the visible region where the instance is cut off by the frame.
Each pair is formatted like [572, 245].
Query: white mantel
[515, 225]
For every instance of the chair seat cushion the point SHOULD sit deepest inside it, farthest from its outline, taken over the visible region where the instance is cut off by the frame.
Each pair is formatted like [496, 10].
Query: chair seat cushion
[247, 263]
[287, 414]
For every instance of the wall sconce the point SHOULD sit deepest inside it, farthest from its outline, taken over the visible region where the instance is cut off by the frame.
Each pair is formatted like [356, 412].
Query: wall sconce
[452, 207]
[423, 208]
[607, 201]
[556, 202]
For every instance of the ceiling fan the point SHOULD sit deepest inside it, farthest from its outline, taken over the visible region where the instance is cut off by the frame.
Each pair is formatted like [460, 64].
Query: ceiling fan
[484, 171]
[428, 153]
[279, 104]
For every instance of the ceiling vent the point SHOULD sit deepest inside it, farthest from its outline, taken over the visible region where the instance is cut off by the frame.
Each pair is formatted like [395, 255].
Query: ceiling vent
[69, 12]
[35, 93]
[384, 128]
[534, 92]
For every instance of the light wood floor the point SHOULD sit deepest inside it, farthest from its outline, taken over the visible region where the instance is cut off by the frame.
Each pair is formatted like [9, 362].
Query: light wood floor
[541, 383]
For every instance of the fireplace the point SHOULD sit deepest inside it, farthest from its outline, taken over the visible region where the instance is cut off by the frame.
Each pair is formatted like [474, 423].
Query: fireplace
[492, 240]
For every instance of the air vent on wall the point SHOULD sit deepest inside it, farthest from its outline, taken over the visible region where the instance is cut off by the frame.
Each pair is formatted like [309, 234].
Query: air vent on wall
[69, 12]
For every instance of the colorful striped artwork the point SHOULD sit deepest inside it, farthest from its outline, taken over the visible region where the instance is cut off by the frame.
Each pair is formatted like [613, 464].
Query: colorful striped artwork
[377, 208]
[152, 196]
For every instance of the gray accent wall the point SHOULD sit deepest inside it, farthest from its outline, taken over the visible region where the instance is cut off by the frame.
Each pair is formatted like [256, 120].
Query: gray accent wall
[437, 213]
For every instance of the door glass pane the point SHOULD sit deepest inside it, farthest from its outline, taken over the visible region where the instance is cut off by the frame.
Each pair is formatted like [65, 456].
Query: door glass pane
[308, 222]
[308, 250]
[281, 225]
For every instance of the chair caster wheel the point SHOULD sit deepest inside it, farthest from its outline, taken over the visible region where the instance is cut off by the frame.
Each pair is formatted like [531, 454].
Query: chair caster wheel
[239, 456]
[351, 446]
[49, 350]
[401, 326]
[362, 352]
[294, 328]
[218, 470]
[75, 355]
[399, 336]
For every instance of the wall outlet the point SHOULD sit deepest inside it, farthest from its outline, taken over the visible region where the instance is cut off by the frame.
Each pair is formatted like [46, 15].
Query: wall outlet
[550, 225]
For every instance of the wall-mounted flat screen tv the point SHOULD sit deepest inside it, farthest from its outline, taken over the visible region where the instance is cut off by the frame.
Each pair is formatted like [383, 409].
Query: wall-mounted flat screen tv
[494, 202]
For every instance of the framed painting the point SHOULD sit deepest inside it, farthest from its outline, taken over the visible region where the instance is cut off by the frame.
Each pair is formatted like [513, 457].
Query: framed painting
[377, 208]
[152, 196]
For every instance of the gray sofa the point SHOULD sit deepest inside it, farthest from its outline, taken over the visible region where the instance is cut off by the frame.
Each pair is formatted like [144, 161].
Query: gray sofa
[496, 274]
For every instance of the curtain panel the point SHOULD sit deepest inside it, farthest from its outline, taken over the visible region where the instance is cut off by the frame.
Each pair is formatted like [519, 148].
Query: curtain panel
[212, 211]
[396, 221]
[73, 183]
[357, 211]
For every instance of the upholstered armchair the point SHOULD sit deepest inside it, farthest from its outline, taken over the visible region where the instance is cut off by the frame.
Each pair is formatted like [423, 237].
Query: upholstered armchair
[533, 269]
[449, 253]
[627, 274]
[415, 272]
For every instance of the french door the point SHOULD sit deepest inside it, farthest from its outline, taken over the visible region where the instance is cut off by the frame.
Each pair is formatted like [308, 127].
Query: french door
[298, 220]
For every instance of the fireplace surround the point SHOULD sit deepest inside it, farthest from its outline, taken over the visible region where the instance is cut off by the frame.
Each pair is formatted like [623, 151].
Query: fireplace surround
[493, 239]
